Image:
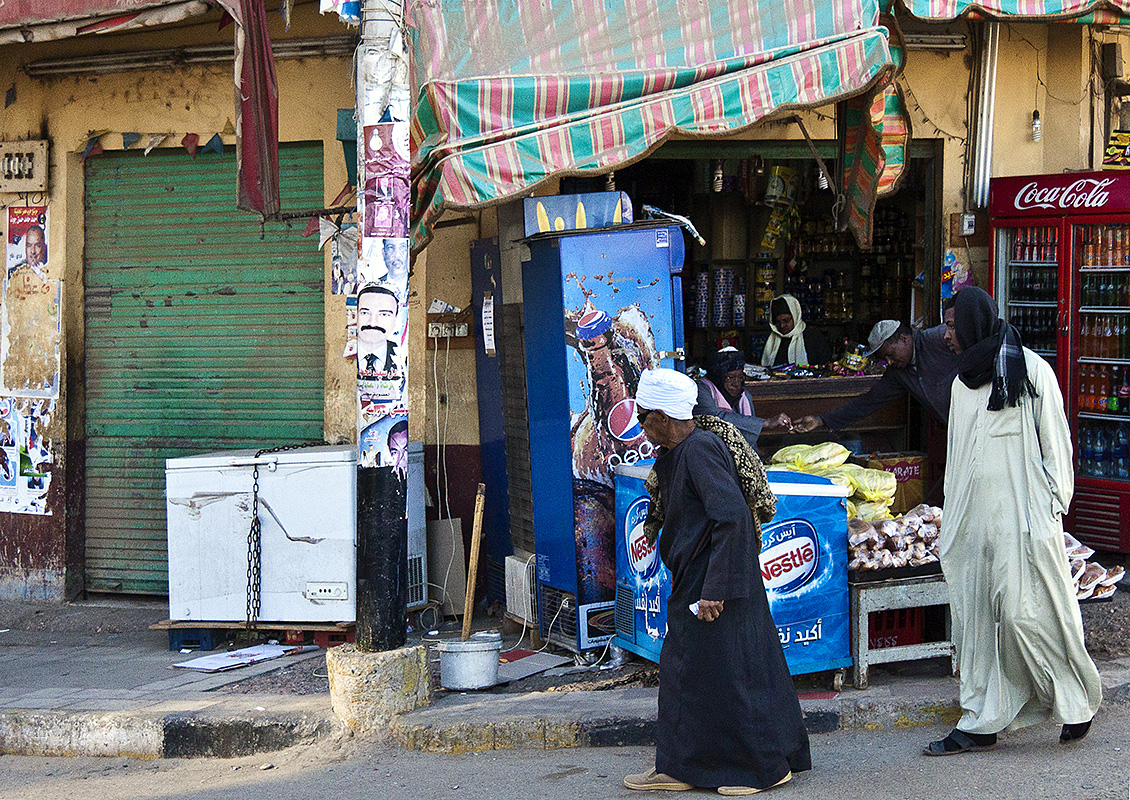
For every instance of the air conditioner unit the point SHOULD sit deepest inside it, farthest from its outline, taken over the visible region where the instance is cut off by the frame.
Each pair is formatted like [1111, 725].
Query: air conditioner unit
[521, 589]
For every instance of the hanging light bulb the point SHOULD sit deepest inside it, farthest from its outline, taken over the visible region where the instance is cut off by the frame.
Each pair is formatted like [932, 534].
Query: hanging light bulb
[717, 176]
[1037, 127]
[610, 182]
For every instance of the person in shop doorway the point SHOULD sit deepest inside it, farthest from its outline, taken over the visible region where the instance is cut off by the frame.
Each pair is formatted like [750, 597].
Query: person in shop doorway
[722, 394]
[377, 310]
[729, 718]
[790, 340]
[919, 363]
[1009, 480]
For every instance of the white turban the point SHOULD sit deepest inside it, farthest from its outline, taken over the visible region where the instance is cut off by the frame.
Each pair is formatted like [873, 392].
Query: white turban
[669, 391]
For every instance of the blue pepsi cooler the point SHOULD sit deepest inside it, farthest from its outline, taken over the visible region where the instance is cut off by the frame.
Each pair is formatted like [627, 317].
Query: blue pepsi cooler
[803, 568]
[642, 582]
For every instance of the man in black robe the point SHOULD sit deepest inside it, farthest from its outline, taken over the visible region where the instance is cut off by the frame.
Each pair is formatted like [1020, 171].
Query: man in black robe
[729, 717]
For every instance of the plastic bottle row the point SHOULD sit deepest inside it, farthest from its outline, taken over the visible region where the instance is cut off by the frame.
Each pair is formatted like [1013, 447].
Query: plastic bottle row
[1108, 289]
[1036, 326]
[1104, 336]
[1104, 390]
[1105, 245]
[1033, 284]
[1036, 244]
[1104, 449]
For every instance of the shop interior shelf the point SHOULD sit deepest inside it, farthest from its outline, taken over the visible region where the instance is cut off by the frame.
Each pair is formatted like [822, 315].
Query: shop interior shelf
[1033, 303]
[1095, 360]
[1033, 263]
[1104, 310]
[1097, 415]
[1118, 268]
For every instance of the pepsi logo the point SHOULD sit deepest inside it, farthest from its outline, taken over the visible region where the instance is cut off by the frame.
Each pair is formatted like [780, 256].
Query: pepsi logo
[622, 421]
[593, 323]
[642, 554]
[790, 562]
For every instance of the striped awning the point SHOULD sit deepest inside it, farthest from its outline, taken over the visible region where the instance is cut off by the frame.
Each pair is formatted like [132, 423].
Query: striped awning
[512, 93]
[1081, 11]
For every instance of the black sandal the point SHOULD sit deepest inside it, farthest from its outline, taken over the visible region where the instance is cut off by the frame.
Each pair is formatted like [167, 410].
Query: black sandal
[961, 742]
[1075, 732]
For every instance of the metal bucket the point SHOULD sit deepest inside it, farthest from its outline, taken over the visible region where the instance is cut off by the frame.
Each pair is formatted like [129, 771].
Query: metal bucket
[472, 664]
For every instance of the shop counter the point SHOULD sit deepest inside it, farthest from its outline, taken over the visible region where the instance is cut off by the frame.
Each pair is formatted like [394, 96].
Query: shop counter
[886, 429]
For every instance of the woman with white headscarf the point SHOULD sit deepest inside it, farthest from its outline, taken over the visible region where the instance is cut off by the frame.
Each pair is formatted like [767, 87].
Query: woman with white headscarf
[790, 340]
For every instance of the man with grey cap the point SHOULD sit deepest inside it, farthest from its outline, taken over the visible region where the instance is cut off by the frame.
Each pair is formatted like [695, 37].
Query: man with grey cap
[919, 363]
[729, 718]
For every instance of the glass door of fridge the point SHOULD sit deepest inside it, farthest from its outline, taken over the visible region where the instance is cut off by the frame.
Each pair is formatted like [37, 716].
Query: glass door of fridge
[1028, 288]
[1100, 378]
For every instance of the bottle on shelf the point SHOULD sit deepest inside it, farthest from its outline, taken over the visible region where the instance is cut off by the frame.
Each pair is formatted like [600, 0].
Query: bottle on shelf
[1102, 394]
[1112, 402]
[1124, 391]
[1086, 449]
[1121, 453]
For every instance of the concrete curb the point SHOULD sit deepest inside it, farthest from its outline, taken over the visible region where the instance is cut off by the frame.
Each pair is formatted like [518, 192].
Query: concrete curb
[549, 721]
[142, 734]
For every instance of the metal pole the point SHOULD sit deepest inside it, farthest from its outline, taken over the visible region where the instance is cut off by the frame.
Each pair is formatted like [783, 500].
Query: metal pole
[382, 492]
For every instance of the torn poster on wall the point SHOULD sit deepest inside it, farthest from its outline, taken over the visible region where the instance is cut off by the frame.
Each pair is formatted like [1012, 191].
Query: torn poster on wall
[386, 263]
[343, 259]
[386, 197]
[27, 239]
[25, 454]
[386, 441]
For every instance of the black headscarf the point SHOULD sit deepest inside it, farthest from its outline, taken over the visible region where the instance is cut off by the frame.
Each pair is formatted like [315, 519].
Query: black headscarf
[718, 365]
[991, 349]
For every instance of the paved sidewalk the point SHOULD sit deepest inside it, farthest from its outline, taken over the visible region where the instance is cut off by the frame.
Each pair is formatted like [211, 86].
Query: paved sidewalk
[91, 679]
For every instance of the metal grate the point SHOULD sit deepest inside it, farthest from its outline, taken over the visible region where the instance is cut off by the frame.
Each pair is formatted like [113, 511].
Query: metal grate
[625, 612]
[516, 428]
[417, 585]
[496, 579]
[557, 611]
[1098, 519]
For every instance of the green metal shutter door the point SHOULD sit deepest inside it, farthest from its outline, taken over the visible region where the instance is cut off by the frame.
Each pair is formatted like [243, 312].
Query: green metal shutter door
[200, 336]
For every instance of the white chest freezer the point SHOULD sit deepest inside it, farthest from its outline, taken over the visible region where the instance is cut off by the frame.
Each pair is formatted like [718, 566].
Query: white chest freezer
[308, 514]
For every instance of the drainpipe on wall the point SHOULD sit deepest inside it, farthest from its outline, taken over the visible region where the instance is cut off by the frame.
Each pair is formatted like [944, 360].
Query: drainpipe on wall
[986, 105]
[382, 409]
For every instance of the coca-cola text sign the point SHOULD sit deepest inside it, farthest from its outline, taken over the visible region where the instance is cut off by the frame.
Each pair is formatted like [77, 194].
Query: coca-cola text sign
[1061, 194]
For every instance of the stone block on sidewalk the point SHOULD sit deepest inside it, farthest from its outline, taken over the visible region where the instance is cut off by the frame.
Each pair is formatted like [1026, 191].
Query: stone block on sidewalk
[369, 689]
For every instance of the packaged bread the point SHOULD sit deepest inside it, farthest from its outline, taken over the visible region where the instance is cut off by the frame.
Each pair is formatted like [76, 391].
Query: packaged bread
[1113, 576]
[790, 454]
[1083, 594]
[1082, 551]
[1091, 576]
[821, 456]
[875, 484]
[1101, 591]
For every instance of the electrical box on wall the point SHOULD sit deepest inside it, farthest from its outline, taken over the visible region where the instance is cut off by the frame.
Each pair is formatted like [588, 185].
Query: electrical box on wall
[23, 167]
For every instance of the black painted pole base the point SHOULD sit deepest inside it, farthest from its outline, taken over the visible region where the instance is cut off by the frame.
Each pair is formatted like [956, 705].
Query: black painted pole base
[382, 559]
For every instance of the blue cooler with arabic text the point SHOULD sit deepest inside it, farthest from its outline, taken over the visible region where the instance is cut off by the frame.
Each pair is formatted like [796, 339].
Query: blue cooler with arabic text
[803, 567]
[642, 582]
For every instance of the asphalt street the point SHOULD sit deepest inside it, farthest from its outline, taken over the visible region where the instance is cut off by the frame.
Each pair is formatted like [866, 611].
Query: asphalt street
[869, 765]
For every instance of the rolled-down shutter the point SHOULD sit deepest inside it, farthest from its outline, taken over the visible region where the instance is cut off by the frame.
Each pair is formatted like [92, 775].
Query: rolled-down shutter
[201, 335]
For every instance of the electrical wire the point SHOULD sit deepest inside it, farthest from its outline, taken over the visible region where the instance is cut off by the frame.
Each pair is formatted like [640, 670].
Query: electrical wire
[549, 630]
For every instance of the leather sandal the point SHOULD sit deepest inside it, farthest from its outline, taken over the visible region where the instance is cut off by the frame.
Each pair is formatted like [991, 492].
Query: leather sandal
[737, 791]
[956, 742]
[655, 781]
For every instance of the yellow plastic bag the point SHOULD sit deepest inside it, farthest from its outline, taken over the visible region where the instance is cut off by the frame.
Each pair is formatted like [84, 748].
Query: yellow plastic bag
[876, 485]
[872, 511]
[852, 511]
[790, 454]
[840, 476]
[822, 456]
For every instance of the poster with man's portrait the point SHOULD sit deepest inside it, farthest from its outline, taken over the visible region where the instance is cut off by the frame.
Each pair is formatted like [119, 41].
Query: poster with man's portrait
[386, 263]
[27, 239]
[386, 197]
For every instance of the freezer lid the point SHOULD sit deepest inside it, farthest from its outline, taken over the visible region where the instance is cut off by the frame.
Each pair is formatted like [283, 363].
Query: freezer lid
[322, 454]
[803, 484]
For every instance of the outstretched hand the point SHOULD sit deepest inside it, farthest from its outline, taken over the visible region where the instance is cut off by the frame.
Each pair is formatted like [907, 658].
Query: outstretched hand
[779, 421]
[807, 424]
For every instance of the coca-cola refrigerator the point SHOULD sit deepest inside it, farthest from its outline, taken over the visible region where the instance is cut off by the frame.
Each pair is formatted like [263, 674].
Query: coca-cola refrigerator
[599, 307]
[1061, 273]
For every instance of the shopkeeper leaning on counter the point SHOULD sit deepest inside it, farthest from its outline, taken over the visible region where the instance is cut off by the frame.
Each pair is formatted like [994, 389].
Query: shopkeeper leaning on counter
[722, 394]
[918, 362]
